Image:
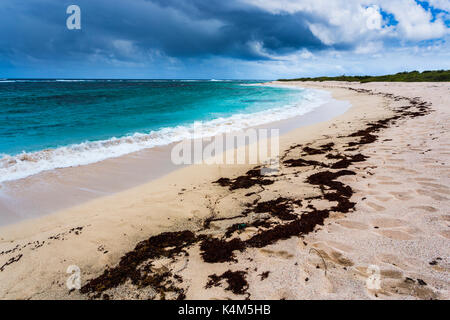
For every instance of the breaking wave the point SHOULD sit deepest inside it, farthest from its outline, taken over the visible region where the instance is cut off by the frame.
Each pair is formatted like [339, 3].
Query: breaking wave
[13, 167]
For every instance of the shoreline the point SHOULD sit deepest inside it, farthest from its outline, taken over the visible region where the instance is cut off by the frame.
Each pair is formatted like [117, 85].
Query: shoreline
[21, 165]
[59, 189]
[113, 226]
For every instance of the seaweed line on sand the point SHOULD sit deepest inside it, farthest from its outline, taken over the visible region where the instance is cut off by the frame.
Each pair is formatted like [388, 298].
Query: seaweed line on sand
[281, 220]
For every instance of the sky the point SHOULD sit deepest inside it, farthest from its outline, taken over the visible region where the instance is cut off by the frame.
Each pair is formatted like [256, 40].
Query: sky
[217, 39]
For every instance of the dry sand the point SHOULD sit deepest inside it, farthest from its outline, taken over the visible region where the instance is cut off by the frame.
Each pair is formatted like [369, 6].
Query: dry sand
[366, 191]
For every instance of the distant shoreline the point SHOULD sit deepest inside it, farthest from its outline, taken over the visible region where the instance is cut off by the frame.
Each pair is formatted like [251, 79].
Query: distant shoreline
[413, 76]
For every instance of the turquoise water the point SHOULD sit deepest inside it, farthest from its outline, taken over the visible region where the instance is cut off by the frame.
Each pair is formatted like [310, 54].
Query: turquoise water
[53, 123]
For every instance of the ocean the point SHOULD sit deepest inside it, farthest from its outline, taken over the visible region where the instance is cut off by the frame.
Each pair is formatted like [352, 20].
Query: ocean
[49, 124]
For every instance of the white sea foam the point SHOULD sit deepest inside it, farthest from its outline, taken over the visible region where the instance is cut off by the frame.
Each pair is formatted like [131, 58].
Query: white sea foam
[27, 164]
[72, 80]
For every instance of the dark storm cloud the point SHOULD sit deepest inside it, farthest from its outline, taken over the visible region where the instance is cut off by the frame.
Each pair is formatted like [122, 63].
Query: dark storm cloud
[243, 24]
[133, 30]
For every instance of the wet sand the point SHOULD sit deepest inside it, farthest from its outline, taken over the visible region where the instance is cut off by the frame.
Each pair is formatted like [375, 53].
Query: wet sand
[364, 192]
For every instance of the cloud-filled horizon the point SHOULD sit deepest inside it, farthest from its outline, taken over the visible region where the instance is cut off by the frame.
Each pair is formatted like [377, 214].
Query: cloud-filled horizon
[233, 39]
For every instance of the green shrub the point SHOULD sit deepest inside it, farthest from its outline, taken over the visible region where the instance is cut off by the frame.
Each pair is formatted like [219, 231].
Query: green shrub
[413, 76]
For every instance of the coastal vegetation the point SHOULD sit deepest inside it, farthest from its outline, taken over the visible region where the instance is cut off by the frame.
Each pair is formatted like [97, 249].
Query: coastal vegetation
[413, 76]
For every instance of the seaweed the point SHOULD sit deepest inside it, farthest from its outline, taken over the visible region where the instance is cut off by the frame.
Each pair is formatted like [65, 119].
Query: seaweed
[327, 178]
[235, 279]
[241, 226]
[251, 178]
[322, 149]
[303, 163]
[11, 261]
[215, 250]
[166, 244]
[280, 208]
[347, 161]
[264, 275]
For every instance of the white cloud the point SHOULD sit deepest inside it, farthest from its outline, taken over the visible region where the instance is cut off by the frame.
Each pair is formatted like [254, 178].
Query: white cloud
[322, 32]
[369, 48]
[257, 47]
[374, 20]
[440, 4]
[357, 21]
[125, 47]
[414, 22]
[306, 54]
[333, 22]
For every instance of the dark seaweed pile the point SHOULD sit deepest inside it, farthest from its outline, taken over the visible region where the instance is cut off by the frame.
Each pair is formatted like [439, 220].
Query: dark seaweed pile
[236, 281]
[282, 217]
[166, 245]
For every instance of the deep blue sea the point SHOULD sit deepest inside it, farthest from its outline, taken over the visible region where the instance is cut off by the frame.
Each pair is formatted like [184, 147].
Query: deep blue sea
[48, 124]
